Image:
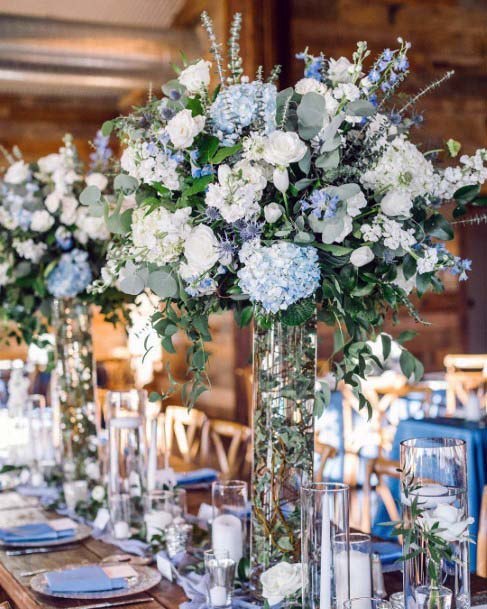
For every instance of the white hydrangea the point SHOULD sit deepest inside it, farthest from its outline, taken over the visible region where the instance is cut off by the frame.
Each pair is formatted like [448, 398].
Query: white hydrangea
[390, 232]
[428, 262]
[238, 191]
[29, 250]
[41, 221]
[160, 236]
[69, 208]
[471, 171]
[91, 226]
[401, 166]
[6, 220]
[4, 273]
[346, 90]
[310, 85]
[150, 164]
[254, 147]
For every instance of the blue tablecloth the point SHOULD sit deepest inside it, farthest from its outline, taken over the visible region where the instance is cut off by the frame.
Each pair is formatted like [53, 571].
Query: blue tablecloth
[475, 436]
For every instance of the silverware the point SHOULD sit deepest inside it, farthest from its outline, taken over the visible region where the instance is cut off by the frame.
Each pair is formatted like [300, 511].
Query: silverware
[104, 605]
[26, 551]
[39, 571]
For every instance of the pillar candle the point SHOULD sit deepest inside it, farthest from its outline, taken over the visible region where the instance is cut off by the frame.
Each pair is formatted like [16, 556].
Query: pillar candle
[227, 534]
[360, 577]
[218, 596]
[121, 530]
[156, 521]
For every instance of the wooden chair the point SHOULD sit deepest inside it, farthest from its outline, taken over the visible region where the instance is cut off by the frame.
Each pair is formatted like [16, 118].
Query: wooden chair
[326, 451]
[464, 373]
[482, 538]
[233, 461]
[244, 375]
[5, 605]
[189, 429]
[379, 468]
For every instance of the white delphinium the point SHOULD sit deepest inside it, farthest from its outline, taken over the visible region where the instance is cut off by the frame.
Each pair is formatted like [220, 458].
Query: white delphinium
[341, 70]
[29, 250]
[98, 180]
[428, 262]
[90, 226]
[160, 236]
[254, 147]
[69, 209]
[401, 166]
[390, 231]
[238, 191]
[310, 85]
[471, 171]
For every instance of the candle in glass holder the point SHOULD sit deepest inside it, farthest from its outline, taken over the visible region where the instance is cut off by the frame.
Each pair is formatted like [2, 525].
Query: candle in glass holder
[121, 530]
[227, 534]
[119, 506]
[155, 522]
[74, 492]
[359, 554]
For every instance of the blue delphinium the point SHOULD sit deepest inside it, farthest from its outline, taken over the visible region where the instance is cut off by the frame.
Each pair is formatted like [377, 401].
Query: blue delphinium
[321, 203]
[102, 153]
[238, 106]
[278, 276]
[313, 65]
[71, 275]
[460, 267]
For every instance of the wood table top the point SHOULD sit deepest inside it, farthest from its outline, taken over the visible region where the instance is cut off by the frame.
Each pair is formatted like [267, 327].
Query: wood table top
[15, 509]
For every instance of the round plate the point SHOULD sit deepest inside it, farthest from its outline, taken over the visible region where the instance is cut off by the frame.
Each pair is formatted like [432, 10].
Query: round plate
[146, 579]
[83, 531]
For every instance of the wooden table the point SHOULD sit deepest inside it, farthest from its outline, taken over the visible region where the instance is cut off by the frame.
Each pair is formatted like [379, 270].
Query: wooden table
[15, 509]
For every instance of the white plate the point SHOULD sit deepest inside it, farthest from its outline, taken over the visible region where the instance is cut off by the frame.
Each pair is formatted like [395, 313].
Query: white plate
[83, 531]
[146, 579]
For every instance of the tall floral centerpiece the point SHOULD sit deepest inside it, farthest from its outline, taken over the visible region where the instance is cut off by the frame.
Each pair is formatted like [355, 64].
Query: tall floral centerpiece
[51, 249]
[287, 207]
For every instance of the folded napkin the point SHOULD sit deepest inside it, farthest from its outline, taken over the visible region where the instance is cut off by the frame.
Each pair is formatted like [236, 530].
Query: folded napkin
[388, 551]
[197, 476]
[83, 579]
[39, 531]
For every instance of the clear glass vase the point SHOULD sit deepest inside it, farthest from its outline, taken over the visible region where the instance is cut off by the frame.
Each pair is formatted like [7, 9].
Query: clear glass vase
[435, 472]
[74, 386]
[284, 375]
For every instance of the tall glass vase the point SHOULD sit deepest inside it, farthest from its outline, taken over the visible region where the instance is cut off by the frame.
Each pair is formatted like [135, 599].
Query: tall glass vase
[434, 498]
[74, 383]
[284, 375]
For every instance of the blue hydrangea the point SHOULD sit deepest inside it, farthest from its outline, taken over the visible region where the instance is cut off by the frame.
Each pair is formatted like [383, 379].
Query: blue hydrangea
[461, 267]
[70, 276]
[238, 106]
[278, 276]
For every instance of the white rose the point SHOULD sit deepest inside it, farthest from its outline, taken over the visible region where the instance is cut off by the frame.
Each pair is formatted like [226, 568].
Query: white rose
[405, 284]
[183, 128]
[97, 179]
[41, 221]
[98, 493]
[68, 210]
[283, 148]
[396, 203]
[49, 163]
[17, 173]
[280, 582]
[92, 469]
[53, 200]
[196, 76]
[340, 70]
[361, 256]
[451, 526]
[201, 250]
[272, 213]
[310, 85]
[280, 177]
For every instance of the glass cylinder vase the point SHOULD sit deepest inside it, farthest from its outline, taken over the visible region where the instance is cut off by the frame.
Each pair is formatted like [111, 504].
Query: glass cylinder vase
[435, 509]
[284, 376]
[325, 546]
[74, 386]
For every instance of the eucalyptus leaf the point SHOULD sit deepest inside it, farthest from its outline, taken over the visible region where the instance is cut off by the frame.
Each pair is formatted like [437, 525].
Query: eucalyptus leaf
[331, 144]
[360, 107]
[163, 284]
[91, 194]
[329, 160]
[125, 183]
[311, 115]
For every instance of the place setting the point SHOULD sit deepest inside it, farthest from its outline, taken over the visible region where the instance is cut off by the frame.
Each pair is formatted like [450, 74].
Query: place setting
[233, 316]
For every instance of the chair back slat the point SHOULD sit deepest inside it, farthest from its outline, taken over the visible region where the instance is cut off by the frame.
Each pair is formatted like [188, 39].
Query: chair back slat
[482, 537]
[237, 438]
[188, 428]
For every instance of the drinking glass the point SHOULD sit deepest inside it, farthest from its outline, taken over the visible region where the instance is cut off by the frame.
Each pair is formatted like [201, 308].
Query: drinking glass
[366, 602]
[220, 576]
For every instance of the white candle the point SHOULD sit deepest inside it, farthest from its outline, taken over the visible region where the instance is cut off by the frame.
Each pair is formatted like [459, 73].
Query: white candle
[74, 492]
[121, 530]
[429, 496]
[152, 459]
[156, 521]
[218, 596]
[227, 534]
[325, 572]
[360, 577]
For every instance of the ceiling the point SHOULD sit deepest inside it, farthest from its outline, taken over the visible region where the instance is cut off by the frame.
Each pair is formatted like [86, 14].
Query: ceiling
[105, 48]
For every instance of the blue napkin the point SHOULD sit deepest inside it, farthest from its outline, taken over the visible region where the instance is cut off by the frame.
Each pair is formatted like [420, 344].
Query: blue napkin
[83, 579]
[197, 476]
[40, 531]
[388, 551]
